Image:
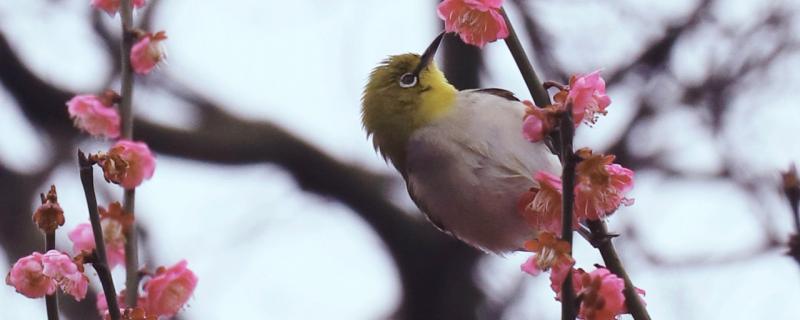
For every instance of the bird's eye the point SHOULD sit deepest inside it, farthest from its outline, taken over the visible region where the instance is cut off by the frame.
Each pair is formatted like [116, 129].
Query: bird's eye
[408, 80]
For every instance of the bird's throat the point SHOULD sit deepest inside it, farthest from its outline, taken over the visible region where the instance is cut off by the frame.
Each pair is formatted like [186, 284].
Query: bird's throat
[437, 100]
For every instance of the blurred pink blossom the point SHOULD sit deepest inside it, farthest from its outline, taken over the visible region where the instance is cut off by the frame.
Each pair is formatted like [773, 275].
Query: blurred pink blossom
[477, 21]
[601, 292]
[558, 274]
[91, 115]
[148, 52]
[102, 307]
[83, 240]
[169, 290]
[112, 6]
[27, 277]
[115, 242]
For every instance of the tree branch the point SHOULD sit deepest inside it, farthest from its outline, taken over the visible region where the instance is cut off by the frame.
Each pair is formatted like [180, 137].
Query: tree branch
[100, 262]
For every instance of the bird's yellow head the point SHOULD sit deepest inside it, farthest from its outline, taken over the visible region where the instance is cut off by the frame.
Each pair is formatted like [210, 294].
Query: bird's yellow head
[405, 92]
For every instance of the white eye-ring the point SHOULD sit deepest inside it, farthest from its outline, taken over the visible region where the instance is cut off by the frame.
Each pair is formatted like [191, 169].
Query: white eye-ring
[408, 80]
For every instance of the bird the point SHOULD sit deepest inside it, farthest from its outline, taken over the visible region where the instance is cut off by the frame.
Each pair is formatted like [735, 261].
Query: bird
[461, 153]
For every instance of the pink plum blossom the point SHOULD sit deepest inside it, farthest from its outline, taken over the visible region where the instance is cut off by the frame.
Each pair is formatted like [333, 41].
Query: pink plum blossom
[477, 21]
[601, 292]
[148, 52]
[533, 129]
[128, 163]
[558, 274]
[601, 185]
[587, 93]
[66, 273]
[115, 242]
[90, 114]
[27, 277]
[538, 122]
[112, 6]
[541, 207]
[83, 240]
[169, 290]
[549, 253]
[535, 125]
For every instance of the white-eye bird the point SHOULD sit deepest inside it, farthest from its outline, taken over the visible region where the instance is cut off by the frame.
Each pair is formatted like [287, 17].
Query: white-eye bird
[461, 153]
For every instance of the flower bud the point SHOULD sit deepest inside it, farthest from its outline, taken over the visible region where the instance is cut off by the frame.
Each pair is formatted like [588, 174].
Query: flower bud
[49, 215]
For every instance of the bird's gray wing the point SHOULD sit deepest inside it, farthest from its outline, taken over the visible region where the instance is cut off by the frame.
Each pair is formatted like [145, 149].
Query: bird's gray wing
[425, 209]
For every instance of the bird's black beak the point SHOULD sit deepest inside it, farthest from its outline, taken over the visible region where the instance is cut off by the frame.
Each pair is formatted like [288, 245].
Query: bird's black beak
[427, 56]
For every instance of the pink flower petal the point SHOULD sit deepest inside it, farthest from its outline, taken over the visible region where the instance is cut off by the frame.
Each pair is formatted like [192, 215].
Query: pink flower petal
[82, 238]
[476, 21]
[530, 266]
[112, 6]
[66, 273]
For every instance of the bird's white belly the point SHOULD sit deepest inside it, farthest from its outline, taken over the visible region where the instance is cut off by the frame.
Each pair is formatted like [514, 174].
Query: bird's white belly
[482, 211]
[468, 171]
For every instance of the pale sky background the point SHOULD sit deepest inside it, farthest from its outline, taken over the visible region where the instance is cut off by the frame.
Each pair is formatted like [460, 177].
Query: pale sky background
[263, 249]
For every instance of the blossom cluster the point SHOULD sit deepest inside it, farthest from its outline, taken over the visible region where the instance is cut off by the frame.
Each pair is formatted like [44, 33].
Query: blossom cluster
[37, 275]
[601, 291]
[601, 187]
[128, 164]
[585, 98]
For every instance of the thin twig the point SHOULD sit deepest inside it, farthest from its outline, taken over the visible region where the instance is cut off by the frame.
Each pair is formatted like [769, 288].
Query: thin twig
[126, 115]
[538, 93]
[131, 252]
[50, 300]
[567, 132]
[537, 90]
[602, 241]
[99, 262]
[791, 188]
